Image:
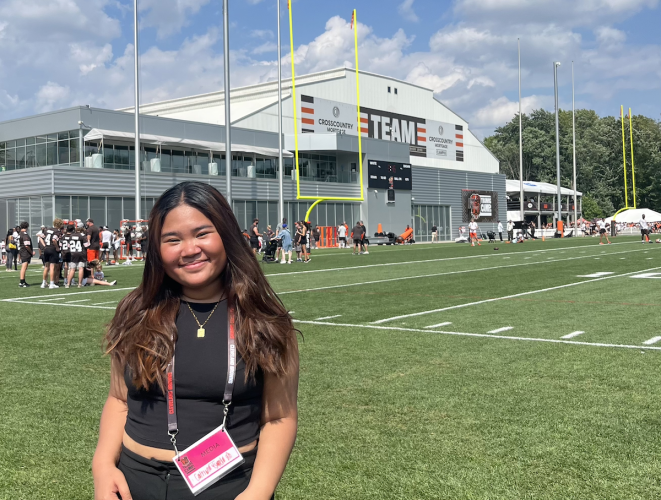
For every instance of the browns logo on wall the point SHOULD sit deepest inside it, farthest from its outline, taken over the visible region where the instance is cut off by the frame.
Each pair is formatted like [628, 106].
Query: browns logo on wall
[481, 206]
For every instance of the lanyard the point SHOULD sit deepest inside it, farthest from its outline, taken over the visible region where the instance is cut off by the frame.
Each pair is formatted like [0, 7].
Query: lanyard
[173, 428]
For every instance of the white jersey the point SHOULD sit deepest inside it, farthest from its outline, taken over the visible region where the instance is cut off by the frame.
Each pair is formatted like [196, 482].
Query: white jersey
[341, 231]
[500, 227]
[473, 227]
[602, 224]
[643, 224]
[107, 236]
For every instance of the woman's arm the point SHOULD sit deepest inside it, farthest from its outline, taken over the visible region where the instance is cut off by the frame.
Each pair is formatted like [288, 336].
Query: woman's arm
[108, 480]
[278, 434]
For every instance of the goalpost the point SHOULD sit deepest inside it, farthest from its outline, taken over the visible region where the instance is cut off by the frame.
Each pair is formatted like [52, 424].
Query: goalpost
[354, 27]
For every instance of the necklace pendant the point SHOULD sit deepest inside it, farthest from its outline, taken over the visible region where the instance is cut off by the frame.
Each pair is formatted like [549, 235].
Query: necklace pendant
[200, 333]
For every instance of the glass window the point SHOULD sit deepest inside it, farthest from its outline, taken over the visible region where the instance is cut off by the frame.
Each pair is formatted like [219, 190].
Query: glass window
[41, 139]
[220, 161]
[178, 161]
[63, 207]
[10, 159]
[3, 218]
[114, 212]
[41, 155]
[24, 209]
[166, 160]
[20, 157]
[262, 214]
[147, 205]
[63, 135]
[2, 162]
[51, 153]
[52, 137]
[11, 144]
[30, 156]
[240, 213]
[35, 214]
[11, 213]
[108, 156]
[251, 212]
[63, 151]
[74, 148]
[20, 142]
[121, 157]
[47, 206]
[79, 207]
[273, 214]
[98, 210]
[129, 209]
[29, 141]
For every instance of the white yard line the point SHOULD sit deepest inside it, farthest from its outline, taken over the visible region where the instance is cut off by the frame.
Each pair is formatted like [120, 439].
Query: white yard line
[447, 273]
[469, 304]
[110, 289]
[104, 303]
[445, 323]
[503, 329]
[481, 335]
[328, 317]
[651, 341]
[60, 304]
[572, 335]
[76, 301]
[411, 262]
[56, 298]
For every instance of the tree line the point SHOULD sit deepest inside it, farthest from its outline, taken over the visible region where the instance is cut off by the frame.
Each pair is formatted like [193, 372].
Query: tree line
[599, 159]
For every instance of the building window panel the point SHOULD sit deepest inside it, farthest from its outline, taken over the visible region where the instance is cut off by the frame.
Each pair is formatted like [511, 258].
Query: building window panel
[178, 161]
[166, 161]
[63, 152]
[114, 212]
[41, 155]
[79, 207]
[47, 207]
[51, 153]
[20, 157]
[98, 210]
[129, 208]
[10, 158]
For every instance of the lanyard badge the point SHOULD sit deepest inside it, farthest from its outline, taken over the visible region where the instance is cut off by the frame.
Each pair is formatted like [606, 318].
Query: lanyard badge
[215, 455]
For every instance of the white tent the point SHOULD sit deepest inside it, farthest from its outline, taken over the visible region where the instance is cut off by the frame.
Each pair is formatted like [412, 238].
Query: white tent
[513, 186]
[634, 215]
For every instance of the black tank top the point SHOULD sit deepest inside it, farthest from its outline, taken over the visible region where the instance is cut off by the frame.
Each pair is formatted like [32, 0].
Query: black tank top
[200, 375]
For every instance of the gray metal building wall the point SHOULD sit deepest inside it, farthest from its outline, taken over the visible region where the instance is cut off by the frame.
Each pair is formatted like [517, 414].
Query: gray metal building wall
[443, 187]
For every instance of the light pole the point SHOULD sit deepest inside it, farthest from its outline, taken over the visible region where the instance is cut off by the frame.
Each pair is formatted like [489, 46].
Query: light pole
[520, 141]
[281, 201]
[138, 201]
[557, 141]
[573, 128]
[228, 135]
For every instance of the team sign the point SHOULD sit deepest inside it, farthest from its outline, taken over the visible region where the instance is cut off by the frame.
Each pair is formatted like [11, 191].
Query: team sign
[426, 138]
[481, 206]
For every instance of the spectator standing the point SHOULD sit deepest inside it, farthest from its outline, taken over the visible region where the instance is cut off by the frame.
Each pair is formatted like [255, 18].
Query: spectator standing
[500, 230]
[254, 236]
[94, 245]
[602, 232]
[532, 229]
[305, 240]
[285, 242]
[10, 247]
[41, 234]
[26, 251]
[51, 254]
[364, 241]
[434, 233]
[342, 235]
[128, 241]
[472, 230]
[510, 230]
[278, 228]
[356, 235]
[644, 229]
[116, 243]
[316, 235]
[144, 242]
[106, 243]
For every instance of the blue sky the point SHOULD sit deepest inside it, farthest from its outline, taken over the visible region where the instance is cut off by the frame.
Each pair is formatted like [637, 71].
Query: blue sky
[59, 53]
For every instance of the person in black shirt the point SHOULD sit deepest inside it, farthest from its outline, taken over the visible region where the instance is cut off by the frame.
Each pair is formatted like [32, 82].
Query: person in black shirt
[94, 245]
[50, 240]
[26, 252]
[357, 235]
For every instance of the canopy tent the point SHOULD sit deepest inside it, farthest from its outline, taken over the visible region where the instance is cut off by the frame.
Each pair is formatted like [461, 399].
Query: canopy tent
[632, 216]
[97, 134]
[514, 186]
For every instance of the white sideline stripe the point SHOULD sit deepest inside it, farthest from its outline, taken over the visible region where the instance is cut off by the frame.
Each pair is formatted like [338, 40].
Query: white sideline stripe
[445, 323]
[60, 304]
[572, 335]
[559, 287]
[103, 303]
[328, 317]
[76, 301]
[651, 341]
[429, 260]
[503, 329]
[67, 293]
[447, 273]
[56, 298]
[482, 335]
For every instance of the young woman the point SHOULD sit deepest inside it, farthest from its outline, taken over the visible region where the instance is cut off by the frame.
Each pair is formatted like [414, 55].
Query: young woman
[201, 291]
[304, 241]
[255, 235]
[10, 248]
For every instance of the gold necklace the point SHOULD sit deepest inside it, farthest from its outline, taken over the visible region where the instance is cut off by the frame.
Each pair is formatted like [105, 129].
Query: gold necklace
[201, 331]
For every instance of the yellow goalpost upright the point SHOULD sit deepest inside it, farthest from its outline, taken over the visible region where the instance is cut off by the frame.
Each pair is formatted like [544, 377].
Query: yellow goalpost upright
[354, 26]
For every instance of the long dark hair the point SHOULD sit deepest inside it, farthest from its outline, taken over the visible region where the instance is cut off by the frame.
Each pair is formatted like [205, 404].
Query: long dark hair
[143, 331]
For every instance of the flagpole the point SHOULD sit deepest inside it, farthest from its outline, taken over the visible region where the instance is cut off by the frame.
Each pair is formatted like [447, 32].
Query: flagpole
[136, 112]
[228, 122]
[281, 201]
[573, 127]
[518, 41]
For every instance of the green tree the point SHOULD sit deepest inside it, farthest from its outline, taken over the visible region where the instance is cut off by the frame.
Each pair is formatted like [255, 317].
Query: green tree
[591, 208]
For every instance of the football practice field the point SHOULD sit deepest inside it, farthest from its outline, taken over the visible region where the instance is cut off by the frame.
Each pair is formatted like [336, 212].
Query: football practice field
[427, 372]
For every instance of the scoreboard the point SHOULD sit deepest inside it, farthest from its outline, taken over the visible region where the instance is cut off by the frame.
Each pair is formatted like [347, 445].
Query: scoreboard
[386, 175]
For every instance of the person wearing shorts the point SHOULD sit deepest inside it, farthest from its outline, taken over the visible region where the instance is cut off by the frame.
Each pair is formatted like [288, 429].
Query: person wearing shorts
[52, 254]
[473, 228]
[342, 235]
[254, 236]
[25, 251]
[602, 232]
[94, 245]
[284, 242]
[644, 230]
[357, 236]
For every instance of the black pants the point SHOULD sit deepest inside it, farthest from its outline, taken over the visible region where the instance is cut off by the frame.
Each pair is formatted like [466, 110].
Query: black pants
[150, 479]
[501, 236]
[510, 235]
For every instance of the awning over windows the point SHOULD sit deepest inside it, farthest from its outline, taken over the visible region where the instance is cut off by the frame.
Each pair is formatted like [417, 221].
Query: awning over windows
[97, 134]
[513, 186]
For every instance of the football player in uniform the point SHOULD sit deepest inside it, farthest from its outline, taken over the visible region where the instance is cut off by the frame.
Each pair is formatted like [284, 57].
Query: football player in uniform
[51, 254]
[25, 250]
[65, 252]
[78, 257]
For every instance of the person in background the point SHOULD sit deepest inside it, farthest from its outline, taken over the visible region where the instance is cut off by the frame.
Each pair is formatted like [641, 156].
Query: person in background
[94, 244]
[510, 230]
[3, 252]
[297, 241]
[65, 251]
[17, 256]
[10, 246]
[116, 243]
[26, 251]
[267, 236]
[305, 240]
[602, 232]
[93, 275]
[106, 244]
[41, 234]
[76, 243]
[52, 254]
[316, 235]
[356, 236]
[364, 241]
[644, 229]
[473, 228]
[500, 230]
[284, 242]
[434, 233]
[278, 228]
[342, 235]
[254, 236]
[144, 241]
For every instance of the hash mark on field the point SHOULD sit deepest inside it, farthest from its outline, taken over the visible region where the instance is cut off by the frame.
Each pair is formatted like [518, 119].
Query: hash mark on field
[76, 301]
[56, 298]
[103, 303]
[328, 317]
[503, 329]
[572, 335]
[594, 275]
[445, 323]
[651, 341]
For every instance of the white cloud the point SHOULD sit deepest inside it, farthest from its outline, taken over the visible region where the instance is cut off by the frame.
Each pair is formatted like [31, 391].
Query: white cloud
[405, 10]
[264, 48]
[501, 110]
[262, 33]
[50, 96]
[610, 36]
[168, 16]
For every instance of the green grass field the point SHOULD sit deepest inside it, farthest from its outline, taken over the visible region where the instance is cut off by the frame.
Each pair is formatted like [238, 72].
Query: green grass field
[427, 372]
